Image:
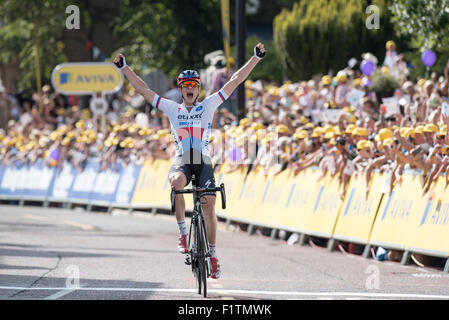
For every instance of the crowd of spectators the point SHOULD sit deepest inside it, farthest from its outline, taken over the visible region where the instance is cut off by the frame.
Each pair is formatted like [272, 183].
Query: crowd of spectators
[333, 122]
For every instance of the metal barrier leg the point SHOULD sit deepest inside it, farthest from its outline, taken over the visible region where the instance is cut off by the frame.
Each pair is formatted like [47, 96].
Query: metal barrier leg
[130, 209]
[251, 229]
[366, 251]
[446, 266]
[89, 207]
[405, 258]
[302, 239]
[330, 245]
[228, 223]
[21, 202]
[154, 211]
[273, 233]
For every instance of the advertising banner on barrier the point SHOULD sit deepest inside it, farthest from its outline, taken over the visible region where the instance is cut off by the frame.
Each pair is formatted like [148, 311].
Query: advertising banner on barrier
[32, 182]
[233, 181]
[398, 213]
[149, 190]
[106, 182]
[301, 193]
[268, 209]
[359, 209]
[62, 184]
[84, 182]
[126, 185]
[326, 206]
[429, 227]
[243, 206]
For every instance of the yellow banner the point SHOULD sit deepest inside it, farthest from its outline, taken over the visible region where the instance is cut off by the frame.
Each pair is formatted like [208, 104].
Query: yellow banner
[429, 228]
[152, 188]
[272, 194]
[249, 194]
[326, 205]
[86, 78]
[232, 181]
[301, 191]
[359, 209]
[225, 22]
[398, 213]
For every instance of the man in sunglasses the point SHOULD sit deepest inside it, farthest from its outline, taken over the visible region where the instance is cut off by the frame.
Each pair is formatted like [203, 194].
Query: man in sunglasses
[191, 123]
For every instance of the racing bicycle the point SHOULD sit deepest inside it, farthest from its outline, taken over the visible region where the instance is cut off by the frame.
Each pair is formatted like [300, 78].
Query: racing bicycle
[198, 255]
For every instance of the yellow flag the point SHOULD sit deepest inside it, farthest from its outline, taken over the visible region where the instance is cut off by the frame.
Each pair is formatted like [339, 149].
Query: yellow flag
[225, 22]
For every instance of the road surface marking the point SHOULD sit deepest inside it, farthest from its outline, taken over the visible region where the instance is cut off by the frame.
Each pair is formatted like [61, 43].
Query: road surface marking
[70, 223]
[33, 217]
[60, 294]
[245, 292]
[79, 225]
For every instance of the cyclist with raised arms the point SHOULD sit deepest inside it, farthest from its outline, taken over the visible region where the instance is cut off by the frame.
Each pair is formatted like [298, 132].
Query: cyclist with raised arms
[191, 123]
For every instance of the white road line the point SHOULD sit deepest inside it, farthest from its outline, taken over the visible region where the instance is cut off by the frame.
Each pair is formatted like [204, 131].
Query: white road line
[60, 294]
[246, 292]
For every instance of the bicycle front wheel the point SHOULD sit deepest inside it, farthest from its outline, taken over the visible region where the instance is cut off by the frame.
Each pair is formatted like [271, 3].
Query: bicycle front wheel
[202, 244]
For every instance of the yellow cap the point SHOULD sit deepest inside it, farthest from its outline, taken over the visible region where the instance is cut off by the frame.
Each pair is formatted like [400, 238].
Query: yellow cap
[243, 122]
[326, 80]
[341, 76]
[256, 126]
[350, 128]
[390, 43]
[352, 119]
[282, 128]
[409, 132]
[385, 133]
[300, 135]
[430, 127]
[421, 82]
[329, 128]
[359, 131]
[310, 125]
[363, 144]
[387, 142]
[419, 129]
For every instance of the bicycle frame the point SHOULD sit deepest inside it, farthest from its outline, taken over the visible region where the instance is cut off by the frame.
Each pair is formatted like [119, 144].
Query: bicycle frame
[198, 255]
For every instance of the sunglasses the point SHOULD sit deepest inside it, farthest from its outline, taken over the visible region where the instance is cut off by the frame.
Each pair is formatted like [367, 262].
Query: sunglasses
[189, 84]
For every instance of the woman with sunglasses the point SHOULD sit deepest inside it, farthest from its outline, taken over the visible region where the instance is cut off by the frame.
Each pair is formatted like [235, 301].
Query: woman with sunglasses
[191, 123]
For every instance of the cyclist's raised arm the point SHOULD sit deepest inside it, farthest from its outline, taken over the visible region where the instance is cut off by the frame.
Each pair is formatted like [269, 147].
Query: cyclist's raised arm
[241, 74]
[138, 84]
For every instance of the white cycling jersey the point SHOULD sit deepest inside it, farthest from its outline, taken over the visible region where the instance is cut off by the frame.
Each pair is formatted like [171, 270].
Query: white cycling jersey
[191, 130]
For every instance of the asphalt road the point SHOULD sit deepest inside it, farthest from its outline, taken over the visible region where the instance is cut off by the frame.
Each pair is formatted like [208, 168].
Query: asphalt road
[51, 253]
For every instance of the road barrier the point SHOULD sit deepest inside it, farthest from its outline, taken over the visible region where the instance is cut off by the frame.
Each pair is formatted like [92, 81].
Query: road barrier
[38, 182]
[308, 204]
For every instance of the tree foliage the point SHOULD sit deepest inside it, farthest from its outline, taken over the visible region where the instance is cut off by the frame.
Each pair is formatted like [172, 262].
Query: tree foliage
[427, 21]
[165, 34]
[17, 38]
[321, 35]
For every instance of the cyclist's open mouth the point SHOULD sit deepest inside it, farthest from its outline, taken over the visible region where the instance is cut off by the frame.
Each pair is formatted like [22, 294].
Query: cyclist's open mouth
[190, 95]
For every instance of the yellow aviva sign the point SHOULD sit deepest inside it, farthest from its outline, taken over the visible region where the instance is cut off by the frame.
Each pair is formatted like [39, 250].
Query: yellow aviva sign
[86, 77]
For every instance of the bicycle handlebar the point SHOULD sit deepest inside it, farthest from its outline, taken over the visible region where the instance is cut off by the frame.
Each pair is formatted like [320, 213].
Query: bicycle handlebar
[184, 191]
